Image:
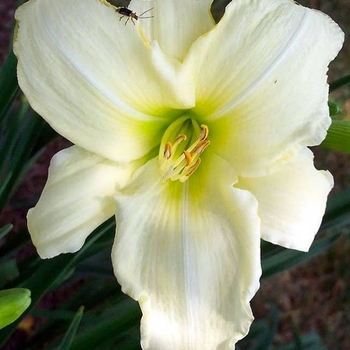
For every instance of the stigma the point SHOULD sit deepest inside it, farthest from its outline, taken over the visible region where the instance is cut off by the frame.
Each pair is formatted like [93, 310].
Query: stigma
[180, 158]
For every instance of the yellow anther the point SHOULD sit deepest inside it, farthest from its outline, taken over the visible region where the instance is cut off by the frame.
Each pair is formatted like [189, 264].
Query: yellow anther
[188, 157]
[167, 150]
[180, 138]
[205, 132]
[179, 159]
[193, 168]
[201, 147]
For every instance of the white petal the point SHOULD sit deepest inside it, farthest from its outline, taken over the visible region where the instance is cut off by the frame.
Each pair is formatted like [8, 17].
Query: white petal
[95, 79]
[77, 198]
[189, 253]
[291, 202]
[175, 24]
[261, 81]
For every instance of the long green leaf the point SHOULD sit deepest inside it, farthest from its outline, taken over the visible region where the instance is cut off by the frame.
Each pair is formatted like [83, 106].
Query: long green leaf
[310, 341]
[334, 85]
[9, 271]
[51, 271]
[338, 136]
[264, 340]
[298, 341]
[121, 316]
[337, 214]
[5, 230]
[69, 337]
[129, 340]
[96, 295]
[13, 244]
[8, 84]
[17, 151]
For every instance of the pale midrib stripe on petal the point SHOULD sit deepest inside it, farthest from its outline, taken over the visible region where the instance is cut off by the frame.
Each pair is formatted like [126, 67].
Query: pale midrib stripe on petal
[194, 314]
[192, 317]
[95, 84]
[275, 62]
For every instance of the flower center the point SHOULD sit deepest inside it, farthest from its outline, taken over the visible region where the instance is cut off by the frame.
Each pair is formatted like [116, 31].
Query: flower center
[182, 144]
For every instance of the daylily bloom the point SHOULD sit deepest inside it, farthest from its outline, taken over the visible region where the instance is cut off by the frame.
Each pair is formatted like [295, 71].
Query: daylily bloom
[193, 134]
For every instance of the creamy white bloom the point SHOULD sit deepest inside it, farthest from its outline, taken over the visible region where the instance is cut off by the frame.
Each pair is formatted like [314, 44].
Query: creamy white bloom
[193, 134]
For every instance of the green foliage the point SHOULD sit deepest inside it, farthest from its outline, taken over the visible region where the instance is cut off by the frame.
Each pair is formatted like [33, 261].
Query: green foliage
[262, 336]
[8, 83]
[334, 109]
[276, 259]
[337, 84]
[69, 337]
[310, 341]
[338, 136]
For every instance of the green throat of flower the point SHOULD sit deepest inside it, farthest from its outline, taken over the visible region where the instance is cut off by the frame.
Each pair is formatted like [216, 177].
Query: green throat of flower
[182, 144]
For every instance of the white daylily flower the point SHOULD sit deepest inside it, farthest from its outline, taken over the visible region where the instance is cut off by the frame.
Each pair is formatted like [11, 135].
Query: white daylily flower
[193, 134]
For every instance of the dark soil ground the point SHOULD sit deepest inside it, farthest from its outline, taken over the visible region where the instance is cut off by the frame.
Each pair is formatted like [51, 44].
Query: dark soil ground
[315, 296]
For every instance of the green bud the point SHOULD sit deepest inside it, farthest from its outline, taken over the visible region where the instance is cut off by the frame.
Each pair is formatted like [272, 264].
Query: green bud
[13, 302]
[334, 109]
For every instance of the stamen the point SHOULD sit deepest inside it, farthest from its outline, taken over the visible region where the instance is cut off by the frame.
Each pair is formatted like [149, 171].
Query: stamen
[193, 168]
[201, 147]
[180, 166]
[167, 150]
[188, 158]
[180, 138]
[205, 132]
